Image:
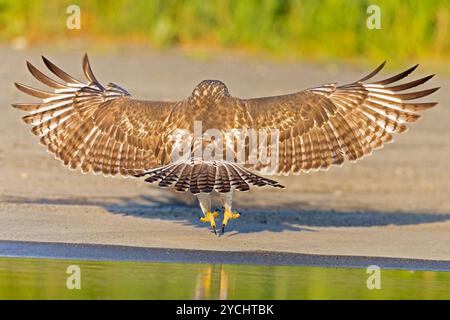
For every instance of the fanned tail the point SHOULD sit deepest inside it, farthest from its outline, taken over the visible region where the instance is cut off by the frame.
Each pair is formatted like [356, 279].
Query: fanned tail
[206, 176]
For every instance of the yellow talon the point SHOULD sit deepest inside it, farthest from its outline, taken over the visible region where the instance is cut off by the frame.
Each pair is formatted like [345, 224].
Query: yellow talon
[209, 217]
[227, 215]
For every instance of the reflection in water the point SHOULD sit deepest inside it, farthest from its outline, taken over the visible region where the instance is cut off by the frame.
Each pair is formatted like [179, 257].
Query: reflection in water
[223, 284]
[46, 279]
[206, 280]
[204, 283]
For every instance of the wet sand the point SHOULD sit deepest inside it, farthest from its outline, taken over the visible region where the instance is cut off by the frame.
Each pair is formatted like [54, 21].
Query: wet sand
[394, 204]
[49, 250]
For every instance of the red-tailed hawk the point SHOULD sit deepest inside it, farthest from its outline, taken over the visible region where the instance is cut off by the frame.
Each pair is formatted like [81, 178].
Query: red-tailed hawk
[103, 129]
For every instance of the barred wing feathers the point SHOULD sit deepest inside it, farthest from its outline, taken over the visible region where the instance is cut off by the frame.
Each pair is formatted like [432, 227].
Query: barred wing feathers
[323, 126]
[97, 128]
[102, 129]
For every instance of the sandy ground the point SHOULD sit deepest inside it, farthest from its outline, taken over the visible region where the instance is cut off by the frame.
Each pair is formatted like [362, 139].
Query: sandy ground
[393, 204]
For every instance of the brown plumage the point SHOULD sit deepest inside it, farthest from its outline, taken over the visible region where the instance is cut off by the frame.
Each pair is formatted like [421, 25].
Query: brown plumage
[102, 129]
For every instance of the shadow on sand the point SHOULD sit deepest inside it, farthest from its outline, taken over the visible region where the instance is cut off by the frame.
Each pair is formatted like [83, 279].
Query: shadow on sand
[180, 209]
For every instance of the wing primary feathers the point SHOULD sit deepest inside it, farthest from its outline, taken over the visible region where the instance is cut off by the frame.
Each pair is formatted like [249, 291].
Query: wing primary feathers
[60, 73]
[411, 84]
[373, 73]
[88, 72]
[35, 92]
[417, 94]
[397, 77]
[43, 78]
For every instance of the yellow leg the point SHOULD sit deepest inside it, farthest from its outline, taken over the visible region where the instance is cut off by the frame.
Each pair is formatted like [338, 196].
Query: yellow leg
[210, 217]
[227, 215]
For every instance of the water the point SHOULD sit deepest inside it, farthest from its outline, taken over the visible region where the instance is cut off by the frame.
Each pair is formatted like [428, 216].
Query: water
[30, 278]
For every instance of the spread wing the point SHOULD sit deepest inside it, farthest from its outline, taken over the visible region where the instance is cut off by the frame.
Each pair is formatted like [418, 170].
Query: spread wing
[95, 127]
[322, 126]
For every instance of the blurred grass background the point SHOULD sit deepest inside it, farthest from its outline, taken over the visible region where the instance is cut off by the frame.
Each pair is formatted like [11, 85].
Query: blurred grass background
[308, 29]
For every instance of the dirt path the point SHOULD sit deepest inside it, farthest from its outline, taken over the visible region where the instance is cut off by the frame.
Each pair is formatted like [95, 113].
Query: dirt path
[393, 204]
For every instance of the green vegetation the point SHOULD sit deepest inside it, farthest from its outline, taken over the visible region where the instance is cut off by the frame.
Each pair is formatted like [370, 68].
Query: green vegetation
[46, 279]
[325, 29]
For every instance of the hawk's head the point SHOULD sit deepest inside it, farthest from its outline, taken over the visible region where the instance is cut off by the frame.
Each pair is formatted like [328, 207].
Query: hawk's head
[210, 90]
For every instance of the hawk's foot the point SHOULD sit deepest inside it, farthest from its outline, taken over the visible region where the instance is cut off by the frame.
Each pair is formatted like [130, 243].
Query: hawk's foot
[227, 215]
[210, 217]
